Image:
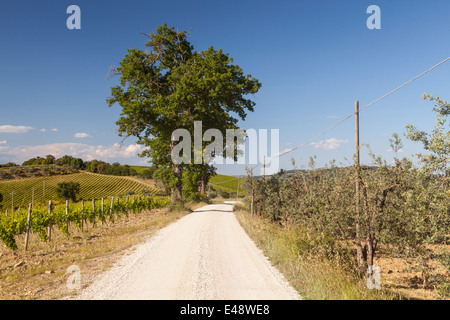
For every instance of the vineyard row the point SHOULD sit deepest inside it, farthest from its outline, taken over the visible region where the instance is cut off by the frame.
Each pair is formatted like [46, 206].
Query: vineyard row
[41, 220]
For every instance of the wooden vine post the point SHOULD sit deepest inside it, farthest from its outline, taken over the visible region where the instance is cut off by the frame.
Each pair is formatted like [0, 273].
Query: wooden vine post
[82, 215]
[28, 227]
[49, 230]
[93, 211]
[67, 215]
[103, 209]
[111, 208]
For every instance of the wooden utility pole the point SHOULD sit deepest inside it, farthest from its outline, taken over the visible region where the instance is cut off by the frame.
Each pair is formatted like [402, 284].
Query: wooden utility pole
[264, 168]
[359, 251]
[251, 180]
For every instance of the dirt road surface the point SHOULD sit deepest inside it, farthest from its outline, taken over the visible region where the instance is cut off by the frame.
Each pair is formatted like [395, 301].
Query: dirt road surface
[204, 255]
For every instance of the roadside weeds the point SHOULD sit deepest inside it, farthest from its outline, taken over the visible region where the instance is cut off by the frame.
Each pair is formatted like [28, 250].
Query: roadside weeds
[41, 272]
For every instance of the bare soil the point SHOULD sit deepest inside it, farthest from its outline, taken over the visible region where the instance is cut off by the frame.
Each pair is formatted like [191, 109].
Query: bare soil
[41, 272]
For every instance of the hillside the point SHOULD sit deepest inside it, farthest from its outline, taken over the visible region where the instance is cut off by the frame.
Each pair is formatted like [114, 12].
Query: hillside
[226, 183]
[92, 186]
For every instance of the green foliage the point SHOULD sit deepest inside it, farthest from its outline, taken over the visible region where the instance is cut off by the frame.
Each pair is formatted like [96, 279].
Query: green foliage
[68, 190]
[9, 164]
[115, 169]
[93, 186]
[400, 205]
[15, 224]
[33, 162]
[224, 194]
[437, 142]
[191, 181]
[49, 159]
[166, 178]
[170, 86]
[147, 173]
[70, 162]
[443, 288]
[227, 183]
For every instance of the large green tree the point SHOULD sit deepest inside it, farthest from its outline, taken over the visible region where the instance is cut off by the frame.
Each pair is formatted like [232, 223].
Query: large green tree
[168, 87]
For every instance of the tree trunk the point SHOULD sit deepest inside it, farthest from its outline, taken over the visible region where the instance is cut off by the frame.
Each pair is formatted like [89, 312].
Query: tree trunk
[202, 186]
[178, 170]
[370, 252]
[360, 255]
[177, 194]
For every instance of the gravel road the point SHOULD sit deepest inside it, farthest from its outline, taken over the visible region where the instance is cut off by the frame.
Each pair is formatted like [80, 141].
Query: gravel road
[204, 255]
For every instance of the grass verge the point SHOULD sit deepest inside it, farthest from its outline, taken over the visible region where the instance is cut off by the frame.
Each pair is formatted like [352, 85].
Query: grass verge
[306, 262]
[40, 272]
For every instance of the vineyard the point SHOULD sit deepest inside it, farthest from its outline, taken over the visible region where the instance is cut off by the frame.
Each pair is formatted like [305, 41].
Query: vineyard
[41, 220]
[39, 190]
[227, 183]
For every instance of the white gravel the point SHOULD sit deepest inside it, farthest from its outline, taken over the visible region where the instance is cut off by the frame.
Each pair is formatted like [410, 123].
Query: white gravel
[204, 255]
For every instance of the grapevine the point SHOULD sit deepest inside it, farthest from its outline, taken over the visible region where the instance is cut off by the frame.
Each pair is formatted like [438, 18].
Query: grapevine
[15, 224]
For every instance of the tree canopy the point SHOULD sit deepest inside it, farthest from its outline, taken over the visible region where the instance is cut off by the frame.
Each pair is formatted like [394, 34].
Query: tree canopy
[169, 86]
[436, 142]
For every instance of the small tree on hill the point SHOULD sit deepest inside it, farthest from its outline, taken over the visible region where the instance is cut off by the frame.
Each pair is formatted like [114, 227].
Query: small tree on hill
[68, 190]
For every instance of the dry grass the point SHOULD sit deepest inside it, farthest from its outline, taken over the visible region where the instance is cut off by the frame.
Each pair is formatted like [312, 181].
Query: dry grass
[312, 275]
[405, 276]
[318, 278]
[40, 272]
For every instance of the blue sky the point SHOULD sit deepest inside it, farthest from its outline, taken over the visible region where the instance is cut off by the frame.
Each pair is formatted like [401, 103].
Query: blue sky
[313, 58]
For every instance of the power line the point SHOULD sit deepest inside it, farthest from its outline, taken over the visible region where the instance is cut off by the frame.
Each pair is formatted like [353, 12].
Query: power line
[366, 106]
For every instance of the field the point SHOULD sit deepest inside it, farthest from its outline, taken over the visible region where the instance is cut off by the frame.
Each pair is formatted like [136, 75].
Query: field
[140, 169]
[42, 189]
[227, 183]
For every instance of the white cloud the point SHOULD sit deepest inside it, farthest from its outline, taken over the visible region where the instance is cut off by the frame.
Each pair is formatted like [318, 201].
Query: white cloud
[14, 129]
[117, 151]
[82, 135]
[3, 141]
[78, 150]
[43, 130]
[329, 144]
[54, 130]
